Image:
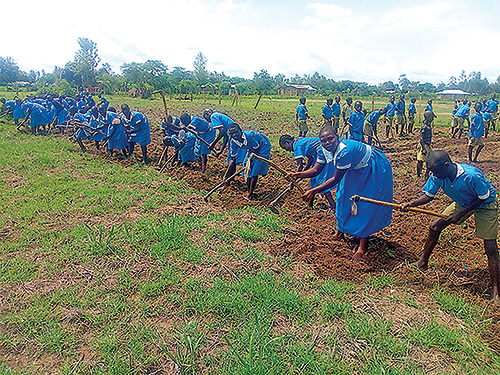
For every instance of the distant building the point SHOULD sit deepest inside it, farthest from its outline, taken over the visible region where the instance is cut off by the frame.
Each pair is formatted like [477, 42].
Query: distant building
[452, 94]
[296, 90]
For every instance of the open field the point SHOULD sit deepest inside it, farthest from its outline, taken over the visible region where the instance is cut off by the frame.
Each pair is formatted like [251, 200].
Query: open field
[108, 267]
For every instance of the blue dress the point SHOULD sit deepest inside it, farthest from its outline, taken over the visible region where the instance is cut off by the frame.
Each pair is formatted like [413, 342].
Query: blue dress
[39, 116]
[356, 120]
[369, 174]
[117, 138]
[255, 143]
[221, 122]
[138, 127]
[204, 131]
[185, 147]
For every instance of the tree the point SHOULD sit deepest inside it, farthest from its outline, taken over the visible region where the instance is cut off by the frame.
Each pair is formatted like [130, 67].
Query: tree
[263, 81]
[86, 61]
[9, 71]
[200, 73]
[404, 83]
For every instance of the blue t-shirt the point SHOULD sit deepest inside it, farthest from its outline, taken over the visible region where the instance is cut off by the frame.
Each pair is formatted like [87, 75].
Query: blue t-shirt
[428, 107]
[336, 109]
[301, 112]
[307, 147]
[411, 110]
[391, 108]
[326, 111]
[476, 128]
[463, 111]
[373, 117]
[468, 184]
[220, 121]
[400, 107]
[492, 105]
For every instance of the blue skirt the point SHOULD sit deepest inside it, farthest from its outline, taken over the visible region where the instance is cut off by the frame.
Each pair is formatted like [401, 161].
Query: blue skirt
[375, 182]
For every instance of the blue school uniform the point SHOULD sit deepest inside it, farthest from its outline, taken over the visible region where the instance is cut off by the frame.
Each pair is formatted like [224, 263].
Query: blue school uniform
[468, 185]
[400, 107]
[476, 128]
[391, 109]
[256, 143]
[138, 128]
[84, 131]
[204, 131]
[492, 105]
[301, 112]
[336, 109]
[369, 174]
[221, 122]
[356, 130]
[326, 112]
[185, 147]
[39, 116]
[463, 111]
[310, 147]
[411, 110]
[487, 117]
[428, 107]
[172, 128]
[117, 138]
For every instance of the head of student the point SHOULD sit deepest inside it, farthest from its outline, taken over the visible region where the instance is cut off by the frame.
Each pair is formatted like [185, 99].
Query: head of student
[185, 119]
[337, 99]
[478, 106]
[402, 96]
[383, 111]
[429, 101]
[329, 101]
[126, 110]
[286, 142]
[349, 100]
[302, 100]
[413, 100]
[235, 131]
[207, 114]
[328, 137]
[358, 106]
[440, 164]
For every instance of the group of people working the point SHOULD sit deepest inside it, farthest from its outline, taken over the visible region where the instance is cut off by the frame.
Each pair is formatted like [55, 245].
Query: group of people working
[351, 166]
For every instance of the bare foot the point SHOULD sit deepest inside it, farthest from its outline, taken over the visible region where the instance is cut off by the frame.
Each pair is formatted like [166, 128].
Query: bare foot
[421, 265]
[357, 256]
[339, 236]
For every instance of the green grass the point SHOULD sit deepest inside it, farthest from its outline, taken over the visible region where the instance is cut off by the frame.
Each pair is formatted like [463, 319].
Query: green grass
[90, 263]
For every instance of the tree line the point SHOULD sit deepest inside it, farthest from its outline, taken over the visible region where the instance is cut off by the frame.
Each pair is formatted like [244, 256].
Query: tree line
[86, 71]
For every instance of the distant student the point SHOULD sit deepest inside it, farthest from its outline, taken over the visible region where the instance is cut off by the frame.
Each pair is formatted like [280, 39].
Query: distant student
[454, 119]
[428, 106]
[302, 114]
[462, 115]
[371, 121]
[389, 117]
[356, 122]
[476, 133]
[253, 142]
[471, 193]
[206, 135]
[307, 149]
[493, 109]
[137, 127]
[347, 110]
[359, 170]
[400, 115]
[336, 110]
[221, 123]
[424, 145]
[326, 112]
[412, 110]
[115, 132]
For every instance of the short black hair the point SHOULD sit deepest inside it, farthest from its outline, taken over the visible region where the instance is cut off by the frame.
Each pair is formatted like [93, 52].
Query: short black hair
[285, 138]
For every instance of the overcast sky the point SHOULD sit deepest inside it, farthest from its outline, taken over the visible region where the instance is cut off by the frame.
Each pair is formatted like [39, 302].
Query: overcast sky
[370, 41]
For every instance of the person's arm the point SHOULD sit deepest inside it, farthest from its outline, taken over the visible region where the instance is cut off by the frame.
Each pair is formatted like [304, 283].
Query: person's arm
[339, 174]
[300, 164]
[456, 216]
[312, 172]
[423, 199]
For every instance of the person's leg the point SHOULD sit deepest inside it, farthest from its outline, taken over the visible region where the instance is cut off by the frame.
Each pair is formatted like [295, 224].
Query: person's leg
[251, 186]
[420, 166]
[435, 230]
[491, 249]
[97, 145]
[470, 153]
[363, 246]
[144, 150]
[331, 201]
[231, 169]
[131, 147]
[479, 148]
[80, 143]
[204, 159]
[124, 152]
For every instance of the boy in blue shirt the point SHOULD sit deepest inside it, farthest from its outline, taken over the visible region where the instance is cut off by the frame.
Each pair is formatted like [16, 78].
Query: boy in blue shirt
[389, 116]
[371, 124]
[462, 115]
[400, 114]
[302, 114]
[336, 113]
[476, 133]
[326, 112]
[471, 193]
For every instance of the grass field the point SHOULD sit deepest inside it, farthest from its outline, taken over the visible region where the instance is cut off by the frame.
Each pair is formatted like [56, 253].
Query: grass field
[114, 268]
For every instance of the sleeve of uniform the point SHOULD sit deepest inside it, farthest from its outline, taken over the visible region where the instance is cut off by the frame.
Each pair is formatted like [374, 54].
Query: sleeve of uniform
[299, 151]
[480, 186]
[431, 187]
[321, 156]
[343, 159]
